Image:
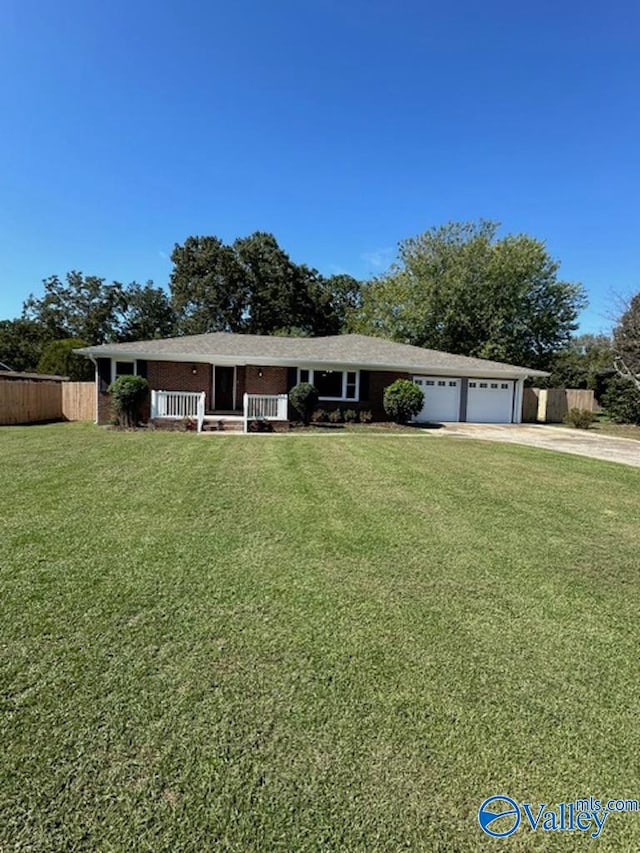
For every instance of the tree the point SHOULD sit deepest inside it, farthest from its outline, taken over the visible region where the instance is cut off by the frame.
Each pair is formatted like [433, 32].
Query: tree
[208, 291]
[80, 307]
[146, 313]
[58, 358]
[626, 342]
[253, 286]
[459, 289]
[21, 343]
[586, 363]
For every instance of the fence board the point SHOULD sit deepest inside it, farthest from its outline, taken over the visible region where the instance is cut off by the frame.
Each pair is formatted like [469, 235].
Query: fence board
[26, 402]
[530, 404]
[79, 401]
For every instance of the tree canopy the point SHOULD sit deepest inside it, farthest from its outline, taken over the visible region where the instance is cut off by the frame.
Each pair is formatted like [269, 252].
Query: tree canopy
[253, 286]
[58, 358]
[626, 342]
[460, 289]
[457, 288]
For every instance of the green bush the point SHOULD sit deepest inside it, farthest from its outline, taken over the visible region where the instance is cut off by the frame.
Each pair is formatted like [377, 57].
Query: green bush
[622, 401]
[128, 393]
[366, 416]
[320, 416]
[402, 400]
[335, 417]
[579, 418]
[350, 416]
[304, 398]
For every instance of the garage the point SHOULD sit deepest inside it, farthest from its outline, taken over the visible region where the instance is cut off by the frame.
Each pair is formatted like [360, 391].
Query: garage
[441, 398]
[489, 401]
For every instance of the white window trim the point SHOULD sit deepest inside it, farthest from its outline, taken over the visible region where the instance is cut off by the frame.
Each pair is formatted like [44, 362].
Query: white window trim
[344, 399]
[132, 361]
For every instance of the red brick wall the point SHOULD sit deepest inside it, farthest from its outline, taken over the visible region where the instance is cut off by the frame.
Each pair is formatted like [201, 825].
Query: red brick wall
[179, 376]
[378, 381]
[272, 381]
[162, 376]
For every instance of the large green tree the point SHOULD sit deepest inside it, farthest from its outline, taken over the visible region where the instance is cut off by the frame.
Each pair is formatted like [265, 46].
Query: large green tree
[460, 289]
[58, 358]
[21, 343]
[253, 286]
[145, 313]
[81, 306]
[626, 342]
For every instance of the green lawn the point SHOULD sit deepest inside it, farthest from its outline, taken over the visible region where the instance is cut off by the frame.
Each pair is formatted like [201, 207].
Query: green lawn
[296, 643]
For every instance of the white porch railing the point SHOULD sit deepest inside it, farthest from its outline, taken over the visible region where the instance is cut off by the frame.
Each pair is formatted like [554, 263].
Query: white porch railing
[264, 407]
[178, 404]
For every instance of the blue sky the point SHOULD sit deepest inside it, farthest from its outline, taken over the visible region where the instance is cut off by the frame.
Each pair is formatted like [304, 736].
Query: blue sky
[342, 126]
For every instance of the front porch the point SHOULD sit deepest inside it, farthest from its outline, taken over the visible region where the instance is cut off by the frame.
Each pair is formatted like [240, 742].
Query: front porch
[191, 406]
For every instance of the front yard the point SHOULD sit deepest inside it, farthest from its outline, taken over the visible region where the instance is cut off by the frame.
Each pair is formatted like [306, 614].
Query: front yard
[284, 643]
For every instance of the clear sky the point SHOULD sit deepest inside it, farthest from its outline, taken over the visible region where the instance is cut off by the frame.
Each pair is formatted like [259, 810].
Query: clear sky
[342, 126]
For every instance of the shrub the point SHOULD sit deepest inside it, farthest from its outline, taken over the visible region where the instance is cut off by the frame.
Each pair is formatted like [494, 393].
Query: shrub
[579, 418]
[350, 416]
[402, 400]
[622, 401]
[304, 398]
[366, 416]
[128, 393]
[320, 416]
[335, 417]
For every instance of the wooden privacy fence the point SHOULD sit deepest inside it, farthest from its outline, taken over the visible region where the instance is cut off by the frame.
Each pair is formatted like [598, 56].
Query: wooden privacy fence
[79, 401]
[550, 405]
[23, 401]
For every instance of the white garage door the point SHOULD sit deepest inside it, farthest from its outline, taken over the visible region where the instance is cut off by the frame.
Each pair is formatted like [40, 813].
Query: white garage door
[441, 398]
[489, 401]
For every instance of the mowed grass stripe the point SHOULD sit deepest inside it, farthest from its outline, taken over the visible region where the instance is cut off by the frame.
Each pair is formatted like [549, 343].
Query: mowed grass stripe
[296, 644]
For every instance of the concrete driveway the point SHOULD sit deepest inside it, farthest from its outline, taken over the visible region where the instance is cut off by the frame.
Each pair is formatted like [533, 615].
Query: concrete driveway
[580, 442]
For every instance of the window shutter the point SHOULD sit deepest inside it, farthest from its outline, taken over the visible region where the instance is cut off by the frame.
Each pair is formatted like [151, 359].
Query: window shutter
[364, 385]
[104, 374]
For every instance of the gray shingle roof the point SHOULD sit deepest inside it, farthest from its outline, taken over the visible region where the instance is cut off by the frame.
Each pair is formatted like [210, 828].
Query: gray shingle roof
[347, 350]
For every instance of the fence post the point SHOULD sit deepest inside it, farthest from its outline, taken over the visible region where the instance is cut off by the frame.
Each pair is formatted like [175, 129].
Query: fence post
[245, 411]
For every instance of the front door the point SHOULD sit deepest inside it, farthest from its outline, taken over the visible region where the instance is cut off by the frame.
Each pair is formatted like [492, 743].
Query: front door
[223, 388]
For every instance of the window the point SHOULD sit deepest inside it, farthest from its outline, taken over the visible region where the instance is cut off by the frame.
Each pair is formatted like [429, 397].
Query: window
[332, 384]
[472, 385]
[441, 383]
[494, 384]
[418, 381]
[505, 386]
[429, 382]
[328, 382]
[452, 384]
[352, 382]
[122, 368]
[483, 384]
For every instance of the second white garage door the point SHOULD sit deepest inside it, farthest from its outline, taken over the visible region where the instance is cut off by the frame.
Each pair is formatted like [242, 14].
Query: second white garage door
[489, 402]
[441, 399]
